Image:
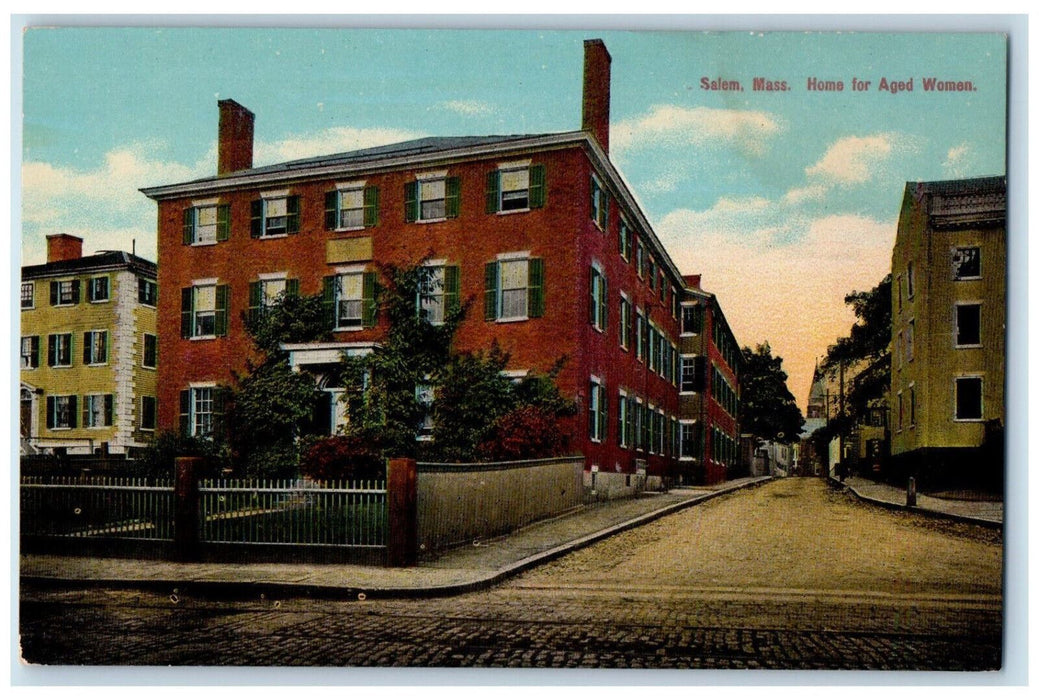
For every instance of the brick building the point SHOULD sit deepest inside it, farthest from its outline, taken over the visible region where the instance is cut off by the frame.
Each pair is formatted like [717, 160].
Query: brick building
[88, 355]
[708, 389]
[539, 231]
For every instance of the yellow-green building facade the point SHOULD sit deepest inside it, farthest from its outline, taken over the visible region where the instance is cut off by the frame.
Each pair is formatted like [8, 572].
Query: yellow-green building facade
[88, 351]
[948, 316]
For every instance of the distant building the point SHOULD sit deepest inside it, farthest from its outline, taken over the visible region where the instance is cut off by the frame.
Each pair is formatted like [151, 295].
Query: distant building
[709, 390]
[88, 351]
[948, 315]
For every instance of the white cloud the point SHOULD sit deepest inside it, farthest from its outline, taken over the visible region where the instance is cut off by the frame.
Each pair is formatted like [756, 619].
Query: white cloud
[853, 159]
[799, 195]
[332, 140]
[959, 161]
[781, 276]
[670, 125]
[467, 108]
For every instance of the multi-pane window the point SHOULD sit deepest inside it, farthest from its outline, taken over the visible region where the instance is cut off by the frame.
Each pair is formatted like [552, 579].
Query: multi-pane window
[59, 350]
[910, 340]
[691, 441]
[150, 357]
[274, 216]
[597, 411]
[200, 409]
[966, 263]
[349, 299]
[207, 223]
[268, 292]
[352, 207]
[623, 418]
[438, 292]
[28, 295]
[600, 204]
[692, 374]
[723, 392]
[515, 188]
[625, 323]
[640, 259]
[30, 352]
[640, 335]
[624, 241]
[64, 292]
[692, 319]
[148, 412]
[514, 289]
[432, 198]
[204, 311]
[147, 292]
[968, 398]
[95, 347]
[97, 410]
[97, 289]
[597, 300]
[968, 325]
[61, 412]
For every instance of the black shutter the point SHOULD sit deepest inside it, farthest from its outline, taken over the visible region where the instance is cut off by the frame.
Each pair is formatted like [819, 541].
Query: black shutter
[292, 220]
[331, 210]
[222, 305]
[452, 197]
[492, 191]
[256, 218]
[328, 300]
[223, 222]
[185, 413]
[411, 201]
[54, 293]
[371, 206]
[187, 297]
[50, 413]
[75, 291]
[189, 226]
[537, 187]
[490, 294]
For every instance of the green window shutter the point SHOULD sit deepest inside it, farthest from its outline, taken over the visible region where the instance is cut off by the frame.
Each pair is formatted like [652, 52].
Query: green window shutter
[104, 346]
[220, 397]
[493, 179]
[222, 303]
[256, 218]
[255, 294]
[109, 409]
[605, 210]
[86, 347]
[50, 413]
[451, 288]
[35, 351]
[411, 201]
[535, 288]
[604, 413]
[292, 287]
[369, 310]
[593, 418]
[189, 226]
[371, 206]
[223, 222]
[452, 197]
[631, 421]
[593, 306]
[185, 413]
[292, 220]
[75, 291]
[331, 210]
[490, 291]
[603, 311]
[86, 412]
[594, 200]
[187, 298]
[54, 293]
[328, 300]
[52, 351]
[73, 410]
[536, 193]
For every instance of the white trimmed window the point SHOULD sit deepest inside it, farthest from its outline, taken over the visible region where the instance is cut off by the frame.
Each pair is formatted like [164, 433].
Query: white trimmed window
[97, 289]
[95, 347]
[30, 352]
[205, 224]
[514, 288]
[275, 214]
[515, 187]
[61, 412]
[59, 350]
[600, 204]
[966, 263]
[64, 292]
[431, 197]
[97, 410]
[150, 356]
[597, 410]
[597, 300]
[28, 295]
[968, 325]
[149, 407]
[349, 300]
[625, 322]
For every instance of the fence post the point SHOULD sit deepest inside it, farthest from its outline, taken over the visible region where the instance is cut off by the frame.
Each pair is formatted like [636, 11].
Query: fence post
[402, 512]
[186, 533]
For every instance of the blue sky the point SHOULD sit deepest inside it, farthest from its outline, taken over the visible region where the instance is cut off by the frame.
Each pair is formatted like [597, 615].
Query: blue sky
[785, 201]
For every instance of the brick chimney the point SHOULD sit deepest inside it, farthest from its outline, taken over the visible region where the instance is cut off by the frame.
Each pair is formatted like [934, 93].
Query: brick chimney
[692, 281]
[595, 105]
[63, 246]
[235, 140]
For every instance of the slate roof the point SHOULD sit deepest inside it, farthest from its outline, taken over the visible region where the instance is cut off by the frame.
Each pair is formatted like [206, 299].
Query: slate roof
[105, 260]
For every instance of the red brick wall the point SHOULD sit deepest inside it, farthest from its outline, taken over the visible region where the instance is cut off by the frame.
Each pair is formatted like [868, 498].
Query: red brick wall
[561, 233]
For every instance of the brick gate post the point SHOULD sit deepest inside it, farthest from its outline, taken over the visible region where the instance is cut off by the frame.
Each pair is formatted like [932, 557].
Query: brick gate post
[402, 512]
[186, 535]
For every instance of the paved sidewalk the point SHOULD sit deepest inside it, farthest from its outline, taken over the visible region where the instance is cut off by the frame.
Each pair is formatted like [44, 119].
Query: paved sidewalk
[456, 571]
[982, 512]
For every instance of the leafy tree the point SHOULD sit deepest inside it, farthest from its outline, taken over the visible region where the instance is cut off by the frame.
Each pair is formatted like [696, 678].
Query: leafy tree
[767, 408]
[272, 405]
[866, 345]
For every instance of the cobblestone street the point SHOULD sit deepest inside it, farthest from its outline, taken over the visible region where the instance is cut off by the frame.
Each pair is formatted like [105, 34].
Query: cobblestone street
[788, 576]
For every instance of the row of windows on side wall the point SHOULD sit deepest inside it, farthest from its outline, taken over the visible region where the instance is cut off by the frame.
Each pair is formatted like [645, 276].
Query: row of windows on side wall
[60, 350]
[67, 292]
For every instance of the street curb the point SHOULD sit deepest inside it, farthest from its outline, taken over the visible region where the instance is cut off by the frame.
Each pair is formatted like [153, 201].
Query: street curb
[255, 589]
[968, 519]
